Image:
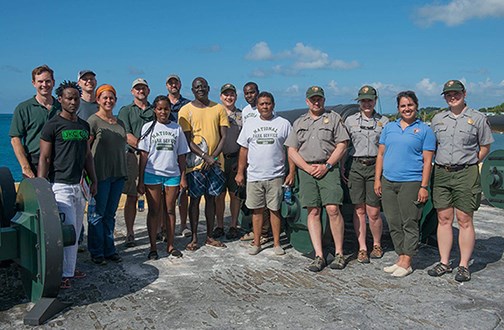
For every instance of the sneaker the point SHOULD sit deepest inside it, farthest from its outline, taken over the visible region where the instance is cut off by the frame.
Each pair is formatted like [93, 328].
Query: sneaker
[317, 264]
[153, 255]
[362, 257]
[130, 241]
[279, 251]
[115, 257]
[254, 249]
[65, 283]
[338, 262]
[463, 274]
[377, 252]
[218, 232]
[233, 233]
[78, 274]
[402, 272]
[99, 260]
[390, 269]
[439, 269]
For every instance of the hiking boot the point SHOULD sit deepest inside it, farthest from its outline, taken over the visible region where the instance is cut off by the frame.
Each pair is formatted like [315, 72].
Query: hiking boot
[362, 257]
[317, 264]
[377, 252]
[439, 269]
[338, 262]
[463, 274]
[218, 232]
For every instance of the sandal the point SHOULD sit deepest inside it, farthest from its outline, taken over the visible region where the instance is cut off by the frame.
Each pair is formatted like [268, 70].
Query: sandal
[218, 232]
[153, 255]
[215, 243]
[193, 246]
[176, 253]
[439, 269]
[233, 233]
[78, 274]
[247, 237]
[65, 283]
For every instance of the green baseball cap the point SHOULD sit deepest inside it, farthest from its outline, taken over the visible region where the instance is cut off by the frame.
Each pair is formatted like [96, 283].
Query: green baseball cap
[315, 91]
[226, 87]
[453, 86]
[367, 92]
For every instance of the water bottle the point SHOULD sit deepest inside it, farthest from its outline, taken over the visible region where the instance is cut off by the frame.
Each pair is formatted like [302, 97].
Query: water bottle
[141, 203]
[91, 211]
[287, 196]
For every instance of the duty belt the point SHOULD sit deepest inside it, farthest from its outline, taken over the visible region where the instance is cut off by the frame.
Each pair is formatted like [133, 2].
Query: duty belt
[231, 155]
[368, 161]
[454, 168]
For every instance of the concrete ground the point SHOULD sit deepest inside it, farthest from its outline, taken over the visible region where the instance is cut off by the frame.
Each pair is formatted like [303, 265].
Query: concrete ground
[226, 289]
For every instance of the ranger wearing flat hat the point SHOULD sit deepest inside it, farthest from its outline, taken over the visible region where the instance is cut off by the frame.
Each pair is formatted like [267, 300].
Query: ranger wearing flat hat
[316, 144]
[134, 116]
[463, 141]
[365, 128]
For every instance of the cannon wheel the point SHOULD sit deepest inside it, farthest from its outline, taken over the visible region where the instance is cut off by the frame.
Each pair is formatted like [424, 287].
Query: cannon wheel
[41, 248]
[492, 178]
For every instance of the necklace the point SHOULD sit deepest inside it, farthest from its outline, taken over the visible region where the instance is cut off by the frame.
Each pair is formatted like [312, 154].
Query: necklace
[110, 120]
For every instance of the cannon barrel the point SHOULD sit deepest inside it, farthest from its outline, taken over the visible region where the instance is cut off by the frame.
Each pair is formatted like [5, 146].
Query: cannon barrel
[33, 236]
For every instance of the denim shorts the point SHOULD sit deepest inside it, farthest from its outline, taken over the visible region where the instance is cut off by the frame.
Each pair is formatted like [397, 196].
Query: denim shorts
[167, 181]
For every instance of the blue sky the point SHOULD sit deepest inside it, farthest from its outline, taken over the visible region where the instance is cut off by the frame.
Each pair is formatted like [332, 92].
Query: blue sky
[285, 46]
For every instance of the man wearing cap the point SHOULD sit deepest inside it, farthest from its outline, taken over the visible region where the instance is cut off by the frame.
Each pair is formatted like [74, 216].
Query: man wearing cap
[177, 101]
[316, 144]
[87, 82]
[463, 141]
[365, 128]
[134, 116]
[29, 118]
[205, 125]
[230, 151]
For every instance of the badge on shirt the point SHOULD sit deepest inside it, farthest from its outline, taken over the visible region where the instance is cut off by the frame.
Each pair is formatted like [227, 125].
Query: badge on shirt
[326, 120]
[470, 121]
[380, 124]
[416, 131]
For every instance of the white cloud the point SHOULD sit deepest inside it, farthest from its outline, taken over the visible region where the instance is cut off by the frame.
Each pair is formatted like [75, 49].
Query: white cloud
[259, 52]
[259, 73]
[427, 87]
[501, 84]
[292, 90]
[457, 12]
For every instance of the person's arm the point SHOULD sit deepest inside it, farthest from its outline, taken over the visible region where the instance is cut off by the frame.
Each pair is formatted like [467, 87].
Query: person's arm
[132, 140]
[17, 146]
[483, 152]
[182, 168]
[289, 179]
[141, 171]
[298, 160]
[336, 155]
[242, 165]
[90, 170]
[379, 170]
[423, 193]
[44, 159]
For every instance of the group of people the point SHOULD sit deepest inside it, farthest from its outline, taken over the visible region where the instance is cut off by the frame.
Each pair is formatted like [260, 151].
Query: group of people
[175, 148]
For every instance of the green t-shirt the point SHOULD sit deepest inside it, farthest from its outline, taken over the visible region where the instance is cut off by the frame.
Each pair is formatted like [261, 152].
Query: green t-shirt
[134, 118]
[27, 122]
[108, 148]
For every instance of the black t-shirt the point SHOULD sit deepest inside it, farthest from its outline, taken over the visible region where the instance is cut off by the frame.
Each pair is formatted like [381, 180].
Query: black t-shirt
[69, 144]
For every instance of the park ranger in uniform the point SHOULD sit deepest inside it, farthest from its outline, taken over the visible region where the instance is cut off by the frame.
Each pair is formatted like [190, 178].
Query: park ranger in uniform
[463, 141]
[365, 128]
[316, 144]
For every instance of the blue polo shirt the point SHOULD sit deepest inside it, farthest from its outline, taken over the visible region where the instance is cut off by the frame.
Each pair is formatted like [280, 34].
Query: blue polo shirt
[403, 160]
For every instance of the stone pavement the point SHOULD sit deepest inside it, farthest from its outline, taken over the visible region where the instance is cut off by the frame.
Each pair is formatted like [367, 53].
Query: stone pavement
[226, 289]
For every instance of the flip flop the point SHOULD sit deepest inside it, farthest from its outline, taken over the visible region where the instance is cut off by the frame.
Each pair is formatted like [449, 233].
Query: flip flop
[176, 253]
[215, 243]
[192, 246]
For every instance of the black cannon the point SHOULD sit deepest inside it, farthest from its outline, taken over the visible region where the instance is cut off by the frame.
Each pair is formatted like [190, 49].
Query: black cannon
[33, 235]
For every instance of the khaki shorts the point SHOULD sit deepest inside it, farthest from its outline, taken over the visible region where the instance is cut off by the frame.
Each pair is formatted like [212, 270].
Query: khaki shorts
[320, 192]
[267, 193]
[130, 186]
[361, 184]
[460, 189]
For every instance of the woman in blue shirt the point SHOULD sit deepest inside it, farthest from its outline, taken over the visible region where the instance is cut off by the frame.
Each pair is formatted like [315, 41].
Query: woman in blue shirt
[403, 168]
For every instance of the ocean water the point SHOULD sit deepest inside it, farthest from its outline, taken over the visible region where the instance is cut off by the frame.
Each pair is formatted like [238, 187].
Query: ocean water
[8, 159]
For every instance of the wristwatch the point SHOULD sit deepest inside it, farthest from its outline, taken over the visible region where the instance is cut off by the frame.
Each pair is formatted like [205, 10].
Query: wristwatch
[424, 187]
[328, 166]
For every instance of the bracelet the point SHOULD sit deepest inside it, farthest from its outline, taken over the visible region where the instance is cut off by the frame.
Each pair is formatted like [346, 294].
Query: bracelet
[424, 187]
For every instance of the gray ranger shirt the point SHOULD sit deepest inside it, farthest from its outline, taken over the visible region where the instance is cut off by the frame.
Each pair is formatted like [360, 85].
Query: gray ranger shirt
[365, 133]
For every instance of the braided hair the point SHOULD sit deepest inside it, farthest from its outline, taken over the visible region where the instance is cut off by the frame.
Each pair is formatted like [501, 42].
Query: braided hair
[67, 84]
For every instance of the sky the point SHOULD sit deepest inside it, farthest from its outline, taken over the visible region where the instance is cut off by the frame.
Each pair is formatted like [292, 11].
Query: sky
[284, 46]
